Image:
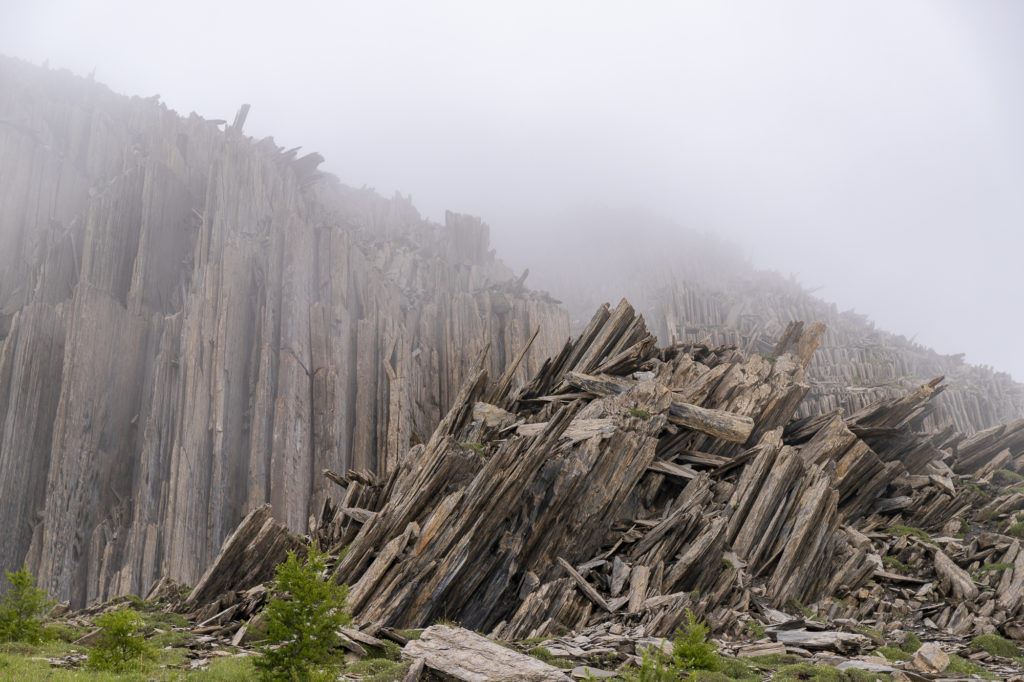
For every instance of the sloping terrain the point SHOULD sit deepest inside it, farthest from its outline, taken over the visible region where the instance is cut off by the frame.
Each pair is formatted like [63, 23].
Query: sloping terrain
[625, 487]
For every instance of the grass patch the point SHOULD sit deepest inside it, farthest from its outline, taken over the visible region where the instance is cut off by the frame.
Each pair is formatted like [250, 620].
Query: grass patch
[892, 653]
[1005, 476]
[895, 565]
[795, 605]
[756, 629]
[474, 446]
[911, 642]
[378, 669]
[642, 414]
[772, 661]
[808, 671]
[897, 531]
[738, 669]
[62, 632]
[975, 489]
[996, 567]
[415, 634]
[996, 645]
[1016, 530]
[965, 667]
[542, 654]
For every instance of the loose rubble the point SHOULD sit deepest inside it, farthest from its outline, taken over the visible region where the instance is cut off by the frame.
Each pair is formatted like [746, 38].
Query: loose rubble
[624, 484]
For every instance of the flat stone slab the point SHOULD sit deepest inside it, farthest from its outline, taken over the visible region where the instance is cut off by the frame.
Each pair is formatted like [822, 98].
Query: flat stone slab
[465, 655]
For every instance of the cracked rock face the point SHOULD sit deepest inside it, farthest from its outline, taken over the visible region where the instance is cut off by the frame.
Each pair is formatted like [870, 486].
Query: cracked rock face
[194, 323]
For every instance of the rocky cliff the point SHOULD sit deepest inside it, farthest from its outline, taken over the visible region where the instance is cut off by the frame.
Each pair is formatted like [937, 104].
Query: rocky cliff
[193, 323]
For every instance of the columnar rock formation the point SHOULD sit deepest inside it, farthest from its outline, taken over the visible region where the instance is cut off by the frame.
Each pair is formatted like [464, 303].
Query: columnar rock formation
[193, 323]
[695, 288]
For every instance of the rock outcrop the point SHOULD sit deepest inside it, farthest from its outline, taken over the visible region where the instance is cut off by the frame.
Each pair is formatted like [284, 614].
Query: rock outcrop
[194, 323]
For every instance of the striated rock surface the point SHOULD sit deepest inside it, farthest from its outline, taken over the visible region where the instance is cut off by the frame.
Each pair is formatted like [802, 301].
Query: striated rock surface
[194, 323]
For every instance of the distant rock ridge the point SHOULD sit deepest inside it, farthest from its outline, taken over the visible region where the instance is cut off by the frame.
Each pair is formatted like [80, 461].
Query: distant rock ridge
[194, 323]
[696, 287]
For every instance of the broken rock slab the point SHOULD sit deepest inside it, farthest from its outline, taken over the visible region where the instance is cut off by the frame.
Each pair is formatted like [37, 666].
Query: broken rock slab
[464, 655]
[930, 658]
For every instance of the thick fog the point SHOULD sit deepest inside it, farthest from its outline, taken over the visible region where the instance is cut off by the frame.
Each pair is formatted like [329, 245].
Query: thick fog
[875, 150]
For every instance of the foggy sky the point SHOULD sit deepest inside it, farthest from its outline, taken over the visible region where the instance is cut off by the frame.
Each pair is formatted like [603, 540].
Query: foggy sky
[875, 149]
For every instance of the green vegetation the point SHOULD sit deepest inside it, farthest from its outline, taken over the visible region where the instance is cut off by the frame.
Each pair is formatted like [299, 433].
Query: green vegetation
[808, 671]
[756, 629]
[474, 446]
[795, 605]
[892, 653]
[897, 531]
[121, 646]
[542, 654]
[965, 667]
[22, 609]
[415, 634]
[895, 565]
[978, 574]
[911, 643]
[643, 414]
[378, 670]
[691, 652]
[1016, 530]
[965, 528]
[1005, 476]
[996, 645]
[726, 564]
[301, 620]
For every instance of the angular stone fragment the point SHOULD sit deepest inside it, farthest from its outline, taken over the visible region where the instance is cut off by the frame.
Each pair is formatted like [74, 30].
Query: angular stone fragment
[930, 658]
[464, 655]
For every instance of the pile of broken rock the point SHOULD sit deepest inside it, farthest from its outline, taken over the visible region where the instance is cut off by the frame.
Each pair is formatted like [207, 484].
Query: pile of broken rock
[625, 484]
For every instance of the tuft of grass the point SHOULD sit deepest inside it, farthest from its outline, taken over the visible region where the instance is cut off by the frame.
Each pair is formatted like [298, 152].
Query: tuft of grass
[543, 654]
[63, 632]
[808, 671]
[140, 604]
[898, 530]
[474, 446]
[895, 565]
[726, 564]
[911, 642]
[965, 667]
[378, 670]
[891, 653]
[975, 489]
[738, 669]
[795, 605]
[1016, 530]
[642, 414]
[756, 629]
[770, 661]
[1005, 476]
[996, 645]
[415, 634]
[226, 669]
